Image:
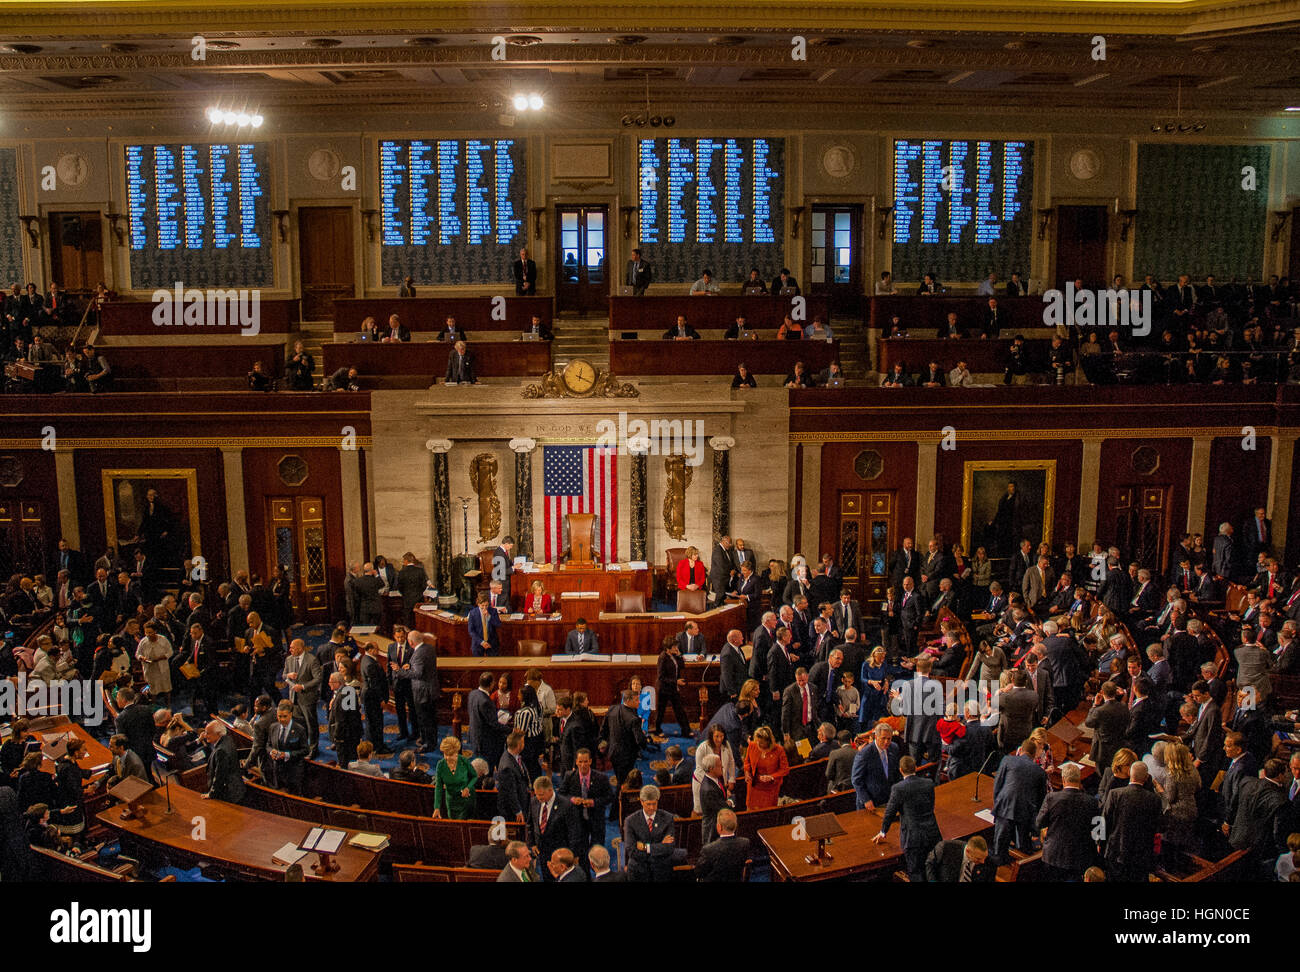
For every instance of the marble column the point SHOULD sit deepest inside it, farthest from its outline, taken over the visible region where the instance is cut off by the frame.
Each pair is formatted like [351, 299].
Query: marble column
[810, 526]
[1089, 486]
[232, 465]
[523, 531]
[721, 446]
[1281, 462]
[637, 448]
[1198, 491]
[927, 474]
[443, 579]
[65, 478]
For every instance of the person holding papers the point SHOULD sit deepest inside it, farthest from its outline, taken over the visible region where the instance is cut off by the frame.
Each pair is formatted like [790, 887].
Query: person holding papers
[581, 641]
[537, 601]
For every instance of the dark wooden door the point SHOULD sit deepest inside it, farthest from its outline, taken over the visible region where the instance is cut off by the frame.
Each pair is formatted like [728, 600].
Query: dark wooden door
[76, 251]
[24, 546]
[325, 259]
[1142, 524]
[836, 264]
[1081, 234]
[866, 537]
[582, 259]
[1295, 245]
[297, 542]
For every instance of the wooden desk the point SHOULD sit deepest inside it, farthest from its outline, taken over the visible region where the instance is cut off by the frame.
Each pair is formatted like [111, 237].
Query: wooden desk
[925, 314]
[621, 634]
[93, 753]
[236, 837]
[122, 317]
[982, 355]
[855, 853]
[660, 313]
[424, 361]
[233, 360]
[431, 313]
[606, 583]
[762, 357]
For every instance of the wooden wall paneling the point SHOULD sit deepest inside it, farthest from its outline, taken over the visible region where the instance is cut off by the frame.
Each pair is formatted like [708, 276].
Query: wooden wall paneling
[1238, 481]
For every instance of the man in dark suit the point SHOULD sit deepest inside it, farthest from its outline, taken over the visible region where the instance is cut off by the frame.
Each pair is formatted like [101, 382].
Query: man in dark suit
[875, 768]
[822, 589]
[460, 366]
[369, 603]
[1205, 735]
[713, 796]
[591, 795]
[1067, 821]
[424, 689]
[681, 331]
[1132, 816]
[581, 640]
[824, 679]
[721, 568]
[781, 665]
[513, 791]
[225, 782]
[724, 859]
[103, 595]
[649, 840]
[1040, 680]
[732, 665]
[798, 708]
[762, 640]
[374, 676]
[906, 563]
[847, 614]
[1108, 720]
[1257, 533]
[525, 274]
[565, 868]
[485, 733]
[411, 582]
[302, 672]
[623, 736]
[921, 702]
[1021, 562]
[1242, 766]
[135, 721]
[748, 587]
[396, 332]
[1018, 793]
[639, 274]
[910, 613]
[553, 822]
[1144, 715]
[484, 626]
[344, 719]
[969, 753]
[912, 801]
[598, 857]
[1258, 825]
[72, 561]
[933, 568]
[1017, 707]
[258, 757]
[956, 861]
[488, 856]
[400, 653]
[287, 747]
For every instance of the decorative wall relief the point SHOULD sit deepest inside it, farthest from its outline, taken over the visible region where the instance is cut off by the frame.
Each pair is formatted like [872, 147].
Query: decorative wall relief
[483, 479]
[677, 477]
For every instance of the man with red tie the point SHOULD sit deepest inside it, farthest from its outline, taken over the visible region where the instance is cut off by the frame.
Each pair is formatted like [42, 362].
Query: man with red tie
[797, 709]
[591, 794]
[1270, 581]
[1257, 532]
[1183, 577]
[497, 599]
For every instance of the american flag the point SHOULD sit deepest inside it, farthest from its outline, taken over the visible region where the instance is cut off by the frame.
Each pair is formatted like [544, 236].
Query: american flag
[581, 479]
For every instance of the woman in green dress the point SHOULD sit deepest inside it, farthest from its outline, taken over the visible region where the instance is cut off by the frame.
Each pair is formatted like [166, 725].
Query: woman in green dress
[454, 779]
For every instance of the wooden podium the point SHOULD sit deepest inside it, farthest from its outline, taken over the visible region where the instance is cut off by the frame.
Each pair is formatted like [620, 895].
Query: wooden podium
[581, 530]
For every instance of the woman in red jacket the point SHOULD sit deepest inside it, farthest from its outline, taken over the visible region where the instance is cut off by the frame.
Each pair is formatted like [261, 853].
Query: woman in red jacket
[690, 571]
[537, 601]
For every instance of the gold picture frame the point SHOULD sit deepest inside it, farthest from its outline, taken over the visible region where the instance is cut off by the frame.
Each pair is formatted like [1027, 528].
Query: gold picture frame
[973, 493]
[113, 479]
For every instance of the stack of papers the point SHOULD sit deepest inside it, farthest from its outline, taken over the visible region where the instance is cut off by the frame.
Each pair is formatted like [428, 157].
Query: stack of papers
[985, 815]
[583, 595]
[638, 565]
[370, 842]
[323, 840]
[288, 854]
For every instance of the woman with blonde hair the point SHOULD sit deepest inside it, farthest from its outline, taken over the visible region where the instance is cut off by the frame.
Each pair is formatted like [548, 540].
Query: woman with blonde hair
[1117, 772]
[875, 688]
[766, 768]
[690, 571]
[454, 780]
[1044, 757]
[1178, 794]
[537, 600]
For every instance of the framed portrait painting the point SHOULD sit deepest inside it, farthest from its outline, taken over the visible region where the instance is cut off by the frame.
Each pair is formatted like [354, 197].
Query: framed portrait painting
[165, 524]
[1006, 502]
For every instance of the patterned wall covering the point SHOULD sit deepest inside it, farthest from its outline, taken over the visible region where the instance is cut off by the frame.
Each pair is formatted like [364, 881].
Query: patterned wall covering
[1193, 214]
[11, 230]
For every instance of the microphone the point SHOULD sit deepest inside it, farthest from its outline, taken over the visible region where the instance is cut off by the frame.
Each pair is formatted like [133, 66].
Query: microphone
[992, 753]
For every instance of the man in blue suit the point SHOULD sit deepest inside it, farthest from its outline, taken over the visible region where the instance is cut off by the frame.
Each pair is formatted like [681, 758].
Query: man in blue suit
[875, 769]
[484, 626]
[1018, 793]
[912, 801]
